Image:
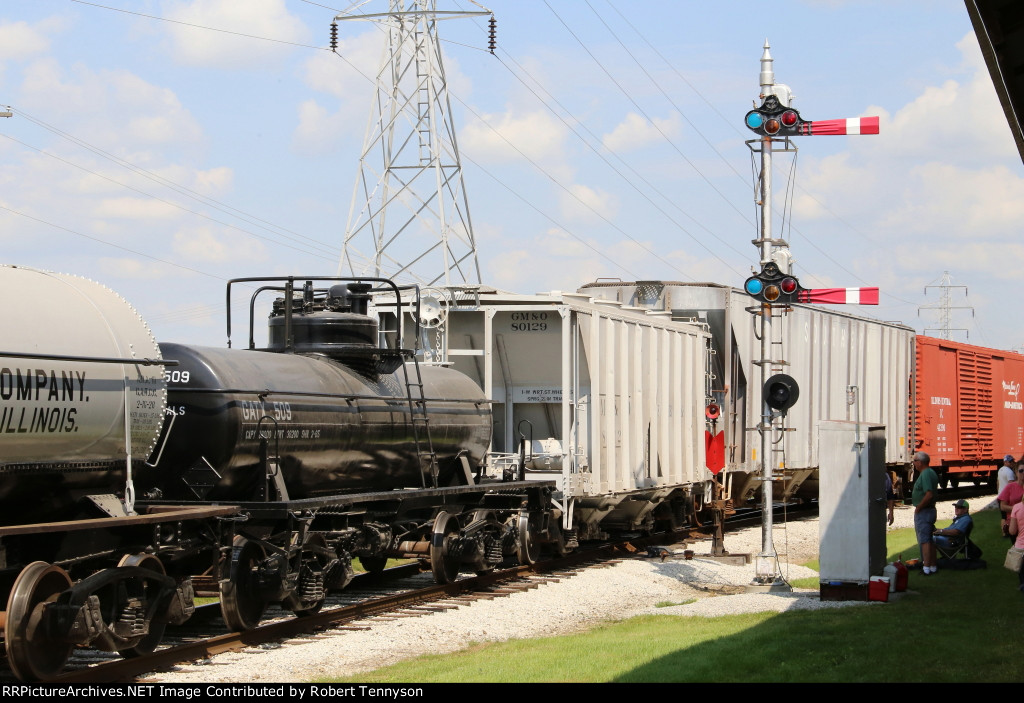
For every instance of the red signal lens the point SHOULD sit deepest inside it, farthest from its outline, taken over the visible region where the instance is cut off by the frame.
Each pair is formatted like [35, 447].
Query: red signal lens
[788, 285]
[789, 118]
[772, 126]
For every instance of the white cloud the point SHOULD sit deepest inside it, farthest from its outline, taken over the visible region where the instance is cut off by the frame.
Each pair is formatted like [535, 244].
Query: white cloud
[214, 181]
[587, 204]
[134, 209]
[20, 40]
[318, 129]
[147, 114]
[267, 19]
[348, 72]
[943, 201]
[201, 245]
[138, 269]
[562, 260]
[936, 185]
[957, 120]
[636, 132]
[509, 136]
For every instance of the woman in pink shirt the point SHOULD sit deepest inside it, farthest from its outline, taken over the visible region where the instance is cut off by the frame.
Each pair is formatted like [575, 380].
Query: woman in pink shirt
[1012, 494]
[1017, 530]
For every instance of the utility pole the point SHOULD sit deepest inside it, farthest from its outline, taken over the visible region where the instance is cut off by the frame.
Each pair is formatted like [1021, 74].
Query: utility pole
[945, 307]
[774, 287]
[409, 217]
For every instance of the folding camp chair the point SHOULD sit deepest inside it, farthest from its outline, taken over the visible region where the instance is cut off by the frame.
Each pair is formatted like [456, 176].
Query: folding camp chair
[959, 548]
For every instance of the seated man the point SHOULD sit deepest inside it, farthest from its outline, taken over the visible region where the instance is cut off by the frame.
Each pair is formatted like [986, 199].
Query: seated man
[950, 538]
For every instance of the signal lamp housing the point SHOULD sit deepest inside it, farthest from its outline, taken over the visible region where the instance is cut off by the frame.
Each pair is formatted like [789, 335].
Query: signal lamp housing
[774, 118]
[771, 285]
[780, 392]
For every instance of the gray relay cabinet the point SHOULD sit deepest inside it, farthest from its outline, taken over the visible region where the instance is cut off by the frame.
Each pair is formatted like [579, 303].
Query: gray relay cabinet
[852, 503]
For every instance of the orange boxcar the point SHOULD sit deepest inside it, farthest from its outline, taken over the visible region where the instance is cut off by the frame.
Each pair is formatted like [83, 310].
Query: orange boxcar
[968, 411]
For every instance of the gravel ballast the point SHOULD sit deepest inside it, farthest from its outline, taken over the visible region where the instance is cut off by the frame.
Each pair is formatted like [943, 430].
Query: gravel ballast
[632, 587]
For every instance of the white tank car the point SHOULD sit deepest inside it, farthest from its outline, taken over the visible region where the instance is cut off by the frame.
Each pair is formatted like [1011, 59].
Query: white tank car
[66, 384]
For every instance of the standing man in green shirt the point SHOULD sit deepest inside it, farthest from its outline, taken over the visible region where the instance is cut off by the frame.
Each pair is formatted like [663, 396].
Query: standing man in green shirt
[923, 497]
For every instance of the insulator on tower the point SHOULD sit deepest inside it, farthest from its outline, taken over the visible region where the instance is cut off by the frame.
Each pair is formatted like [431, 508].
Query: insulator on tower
[334, 36]
[492, 34]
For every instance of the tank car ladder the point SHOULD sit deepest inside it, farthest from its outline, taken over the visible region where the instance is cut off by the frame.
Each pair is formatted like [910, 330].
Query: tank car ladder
[420, 422]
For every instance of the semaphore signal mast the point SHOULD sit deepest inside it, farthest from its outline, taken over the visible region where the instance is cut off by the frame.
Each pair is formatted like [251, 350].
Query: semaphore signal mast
[774, 287]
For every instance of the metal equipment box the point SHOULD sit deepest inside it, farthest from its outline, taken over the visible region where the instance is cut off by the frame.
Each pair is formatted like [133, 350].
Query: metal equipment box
[852, 504]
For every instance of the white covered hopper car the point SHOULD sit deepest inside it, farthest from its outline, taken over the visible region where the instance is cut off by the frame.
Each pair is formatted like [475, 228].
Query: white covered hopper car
[848, 367]
[607, 399]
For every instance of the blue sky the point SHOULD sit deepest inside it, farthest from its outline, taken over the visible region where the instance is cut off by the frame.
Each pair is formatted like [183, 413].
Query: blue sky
[163, 157]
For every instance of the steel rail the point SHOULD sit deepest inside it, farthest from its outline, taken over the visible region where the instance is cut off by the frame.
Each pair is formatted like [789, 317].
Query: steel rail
[126, 670]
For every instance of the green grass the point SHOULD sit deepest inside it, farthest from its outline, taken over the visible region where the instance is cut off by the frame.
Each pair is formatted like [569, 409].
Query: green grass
[954, 626]
[669, 603]
[809, 582]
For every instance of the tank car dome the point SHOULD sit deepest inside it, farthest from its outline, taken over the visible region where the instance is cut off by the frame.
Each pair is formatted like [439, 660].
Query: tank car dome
[333, 323]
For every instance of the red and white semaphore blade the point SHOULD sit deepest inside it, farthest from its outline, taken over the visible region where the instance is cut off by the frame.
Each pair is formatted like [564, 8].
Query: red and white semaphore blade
[839, 296]
[851, 125]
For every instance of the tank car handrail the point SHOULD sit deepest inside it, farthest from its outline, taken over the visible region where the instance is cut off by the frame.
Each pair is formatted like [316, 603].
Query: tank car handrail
[91, 359]
[289, 285]
[314, 394]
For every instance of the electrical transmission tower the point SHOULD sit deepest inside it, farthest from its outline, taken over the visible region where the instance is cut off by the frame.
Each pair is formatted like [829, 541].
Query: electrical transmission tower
[945, 307]
[409, 217]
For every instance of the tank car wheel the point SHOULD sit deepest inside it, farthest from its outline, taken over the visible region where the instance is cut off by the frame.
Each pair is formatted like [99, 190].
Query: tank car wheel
[444, 564]
[241, 604]
[527, 547]
[374, 565]
[31, 654]
[147, 644]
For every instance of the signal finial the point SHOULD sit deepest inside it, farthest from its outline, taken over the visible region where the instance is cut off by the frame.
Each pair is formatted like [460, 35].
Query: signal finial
[767, 72]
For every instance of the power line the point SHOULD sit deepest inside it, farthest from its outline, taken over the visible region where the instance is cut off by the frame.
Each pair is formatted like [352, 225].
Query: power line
[199, 26]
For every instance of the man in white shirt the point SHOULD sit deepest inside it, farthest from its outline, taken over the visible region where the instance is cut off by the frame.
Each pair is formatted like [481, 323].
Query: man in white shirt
[1007, 474]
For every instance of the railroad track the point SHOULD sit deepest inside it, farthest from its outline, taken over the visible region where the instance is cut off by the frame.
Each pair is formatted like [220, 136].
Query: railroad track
[400, 592]
[371, 599]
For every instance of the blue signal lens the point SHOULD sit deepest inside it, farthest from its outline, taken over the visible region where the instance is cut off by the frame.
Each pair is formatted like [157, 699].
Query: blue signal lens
[755, 120]
[754, 286]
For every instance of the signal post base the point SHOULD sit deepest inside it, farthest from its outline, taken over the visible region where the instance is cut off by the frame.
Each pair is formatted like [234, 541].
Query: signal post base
[769, 587]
